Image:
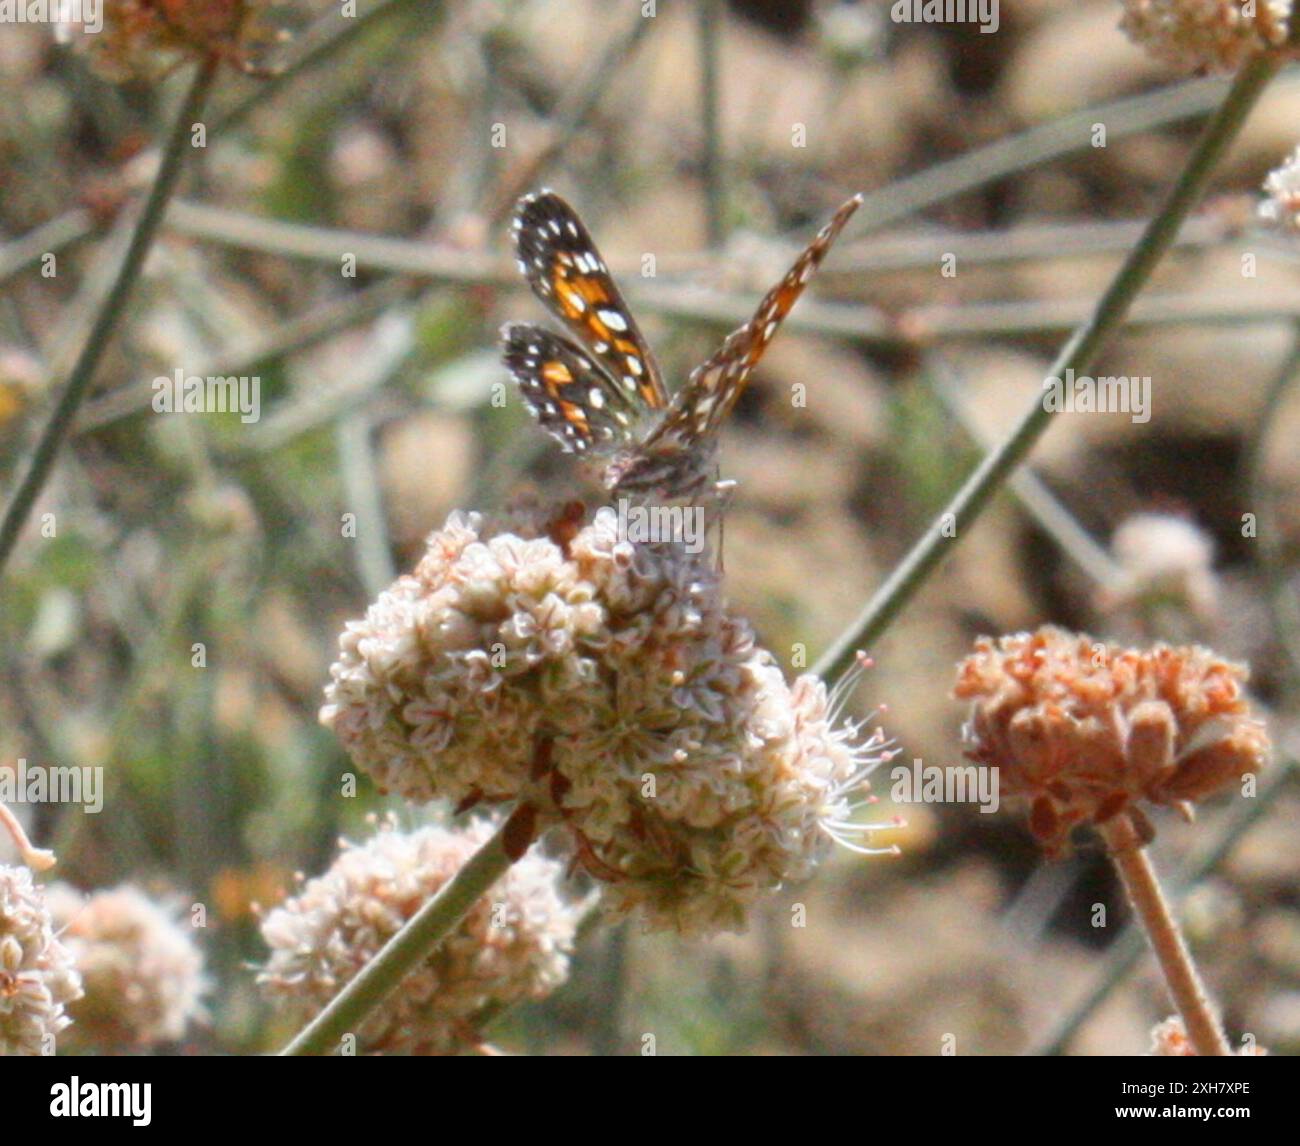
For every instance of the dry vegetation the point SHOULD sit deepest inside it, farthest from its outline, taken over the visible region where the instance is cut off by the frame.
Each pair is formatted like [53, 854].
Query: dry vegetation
[376, 400]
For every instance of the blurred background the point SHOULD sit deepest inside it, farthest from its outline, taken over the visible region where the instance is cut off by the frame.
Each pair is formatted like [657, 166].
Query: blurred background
[716, 137]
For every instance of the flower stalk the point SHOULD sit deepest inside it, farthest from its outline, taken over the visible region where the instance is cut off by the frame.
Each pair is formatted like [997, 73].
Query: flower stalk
[1131, 859]
[56, 429]
[38, 859]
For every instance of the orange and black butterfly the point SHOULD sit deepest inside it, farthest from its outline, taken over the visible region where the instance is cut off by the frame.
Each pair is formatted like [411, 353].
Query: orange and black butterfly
[601, 393]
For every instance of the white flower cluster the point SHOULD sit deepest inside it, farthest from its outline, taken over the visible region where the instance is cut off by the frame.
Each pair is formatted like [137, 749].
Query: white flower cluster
[514, 944]
[1164, 556]
[606, 684]
[140, 966]
[1282, 207]
[37, 977]
[1206, 35]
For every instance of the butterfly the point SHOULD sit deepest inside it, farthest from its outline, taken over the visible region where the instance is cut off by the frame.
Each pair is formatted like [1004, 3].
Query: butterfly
[601, 393]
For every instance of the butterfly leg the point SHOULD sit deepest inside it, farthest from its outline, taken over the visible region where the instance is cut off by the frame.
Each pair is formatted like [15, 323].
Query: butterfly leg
[723, 492]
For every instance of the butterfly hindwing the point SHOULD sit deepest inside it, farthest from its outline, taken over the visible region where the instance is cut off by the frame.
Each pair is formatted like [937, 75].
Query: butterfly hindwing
[566, 271]
[570, 396]
[713, 387]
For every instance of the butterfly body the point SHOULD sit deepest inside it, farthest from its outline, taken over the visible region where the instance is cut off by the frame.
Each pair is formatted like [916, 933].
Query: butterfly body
[601, 394]
[666, 472]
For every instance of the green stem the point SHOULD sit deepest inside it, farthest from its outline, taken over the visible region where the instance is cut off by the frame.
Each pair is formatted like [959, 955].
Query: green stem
[1077, 355]
[710, 15]
[49, 238]
[1034, 494]
[573, 111]
[327, 37]
[1013, 155]
[146, 228]
[300, 332]
[421, 935]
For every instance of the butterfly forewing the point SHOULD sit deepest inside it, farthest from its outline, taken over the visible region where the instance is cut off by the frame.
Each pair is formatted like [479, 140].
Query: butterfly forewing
[714, 386]
[571, 397]
[566, 271]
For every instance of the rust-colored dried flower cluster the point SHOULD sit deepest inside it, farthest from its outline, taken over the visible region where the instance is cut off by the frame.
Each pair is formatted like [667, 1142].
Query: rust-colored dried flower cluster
[145, 39]
[1169, 1040]
[1085, 730]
